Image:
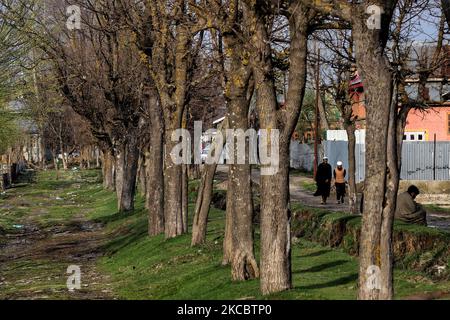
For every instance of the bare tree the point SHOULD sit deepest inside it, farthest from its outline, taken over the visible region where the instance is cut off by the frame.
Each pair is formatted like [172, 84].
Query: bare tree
[275, 212]
[385, 124]
[100, 73]
[166, 37]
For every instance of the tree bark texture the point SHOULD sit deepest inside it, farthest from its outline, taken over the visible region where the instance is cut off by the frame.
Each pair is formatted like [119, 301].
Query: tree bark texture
[375, 272]
[204, 194]
[275, 268]
[126, 175]
[173, 217]
[352, 192]
[185, 197]
[108, 170]
[239, 192]
[154, 170]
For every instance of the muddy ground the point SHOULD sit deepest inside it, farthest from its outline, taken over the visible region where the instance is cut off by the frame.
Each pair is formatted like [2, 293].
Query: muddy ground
[34, 256]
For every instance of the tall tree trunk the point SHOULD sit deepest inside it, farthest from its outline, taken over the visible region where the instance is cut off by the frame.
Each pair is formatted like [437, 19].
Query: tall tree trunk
[173, 106]
[276, 229]
[173, 217]
[55, 163]
[42, 153]
[184, 197]
[155, 184]
[228, 235]
[185, 182]
[202, 205]
[194, 172]
[97, 157]
[275, 211]
[243, 263]
[127, 162]
[89, 157]
[323, 114]
[172, 89]
[392, 184]
[446, 8]
[374, 283]
[204, 195]
[154, 168]
[240, 208]
[63, 155]
[353, 202]
[142, 183]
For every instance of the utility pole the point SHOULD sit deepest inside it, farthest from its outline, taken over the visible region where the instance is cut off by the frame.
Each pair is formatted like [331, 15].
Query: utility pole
[316, 124]
[434, 158]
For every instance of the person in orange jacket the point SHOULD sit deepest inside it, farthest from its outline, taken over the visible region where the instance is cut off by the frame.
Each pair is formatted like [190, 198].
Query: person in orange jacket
[339, 181]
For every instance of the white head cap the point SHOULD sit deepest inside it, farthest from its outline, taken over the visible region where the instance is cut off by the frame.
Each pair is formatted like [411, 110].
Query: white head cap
[325, 158]
[339, 163]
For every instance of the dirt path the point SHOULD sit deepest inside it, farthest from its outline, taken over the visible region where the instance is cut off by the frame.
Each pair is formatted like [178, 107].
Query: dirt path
[48, 253]
[307, 198]
[34, 258]
[298, 194]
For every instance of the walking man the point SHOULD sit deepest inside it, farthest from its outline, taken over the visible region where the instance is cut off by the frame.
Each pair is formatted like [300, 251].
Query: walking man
[323, 180]
[339, 181]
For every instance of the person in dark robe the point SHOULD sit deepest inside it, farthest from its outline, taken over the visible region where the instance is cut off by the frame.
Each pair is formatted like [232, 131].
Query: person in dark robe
[408, 210]
[323, 180]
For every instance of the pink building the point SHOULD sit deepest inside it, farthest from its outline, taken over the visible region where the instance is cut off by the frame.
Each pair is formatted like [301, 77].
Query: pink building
[420, 125]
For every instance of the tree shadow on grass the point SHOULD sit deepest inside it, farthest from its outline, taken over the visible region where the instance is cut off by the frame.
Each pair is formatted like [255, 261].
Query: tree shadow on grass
[337, 282]
[135, 233]
[314, 254]
[323, 266]
[127, 232]
[117, 216]
[19, 185]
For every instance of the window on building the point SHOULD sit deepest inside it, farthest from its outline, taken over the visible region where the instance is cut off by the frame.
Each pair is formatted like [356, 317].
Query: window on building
[414, 136]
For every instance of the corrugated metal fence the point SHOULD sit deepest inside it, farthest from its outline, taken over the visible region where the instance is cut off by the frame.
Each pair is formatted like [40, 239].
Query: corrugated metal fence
[419, 161]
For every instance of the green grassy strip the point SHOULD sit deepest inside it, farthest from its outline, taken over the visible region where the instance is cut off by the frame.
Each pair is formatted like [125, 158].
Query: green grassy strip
[140, 267]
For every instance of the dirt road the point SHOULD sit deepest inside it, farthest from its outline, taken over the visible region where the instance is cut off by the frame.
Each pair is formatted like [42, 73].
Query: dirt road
[34, 257]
